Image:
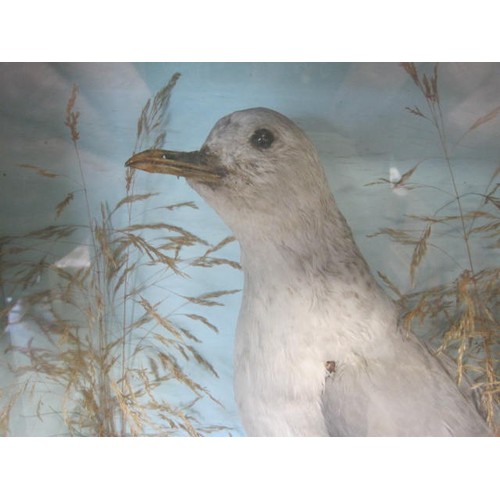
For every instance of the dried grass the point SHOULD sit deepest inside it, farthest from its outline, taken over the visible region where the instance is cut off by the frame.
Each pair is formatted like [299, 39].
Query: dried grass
[463, 312]
[108, 348]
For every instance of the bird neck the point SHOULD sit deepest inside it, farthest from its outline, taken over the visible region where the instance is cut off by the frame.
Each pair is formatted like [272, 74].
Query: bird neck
[302, 242]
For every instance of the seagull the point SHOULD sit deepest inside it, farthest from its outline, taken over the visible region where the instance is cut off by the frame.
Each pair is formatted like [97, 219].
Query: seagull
[318, 350]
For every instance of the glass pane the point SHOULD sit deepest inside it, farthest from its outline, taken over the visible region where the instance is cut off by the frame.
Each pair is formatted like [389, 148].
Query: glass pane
[121, 289]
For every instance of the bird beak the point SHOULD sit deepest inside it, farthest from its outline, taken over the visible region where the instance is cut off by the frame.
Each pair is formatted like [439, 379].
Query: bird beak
[194, 165]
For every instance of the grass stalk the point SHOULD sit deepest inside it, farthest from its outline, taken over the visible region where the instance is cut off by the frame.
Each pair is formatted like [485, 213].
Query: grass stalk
[114, 362]
[464, 311]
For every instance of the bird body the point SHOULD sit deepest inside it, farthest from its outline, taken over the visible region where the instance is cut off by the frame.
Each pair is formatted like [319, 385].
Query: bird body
[297, 316]
[318, 349]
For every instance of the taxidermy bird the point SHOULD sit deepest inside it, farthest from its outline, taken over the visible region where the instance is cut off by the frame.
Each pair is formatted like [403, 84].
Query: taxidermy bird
[318, 349]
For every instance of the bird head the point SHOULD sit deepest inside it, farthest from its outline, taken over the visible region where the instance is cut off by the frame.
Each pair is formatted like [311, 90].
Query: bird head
[254, 162]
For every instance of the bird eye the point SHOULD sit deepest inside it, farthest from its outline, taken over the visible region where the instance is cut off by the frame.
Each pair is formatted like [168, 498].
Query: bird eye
[262, 138]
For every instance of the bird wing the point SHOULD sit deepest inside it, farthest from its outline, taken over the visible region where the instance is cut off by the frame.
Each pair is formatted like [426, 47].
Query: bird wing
[411, 395]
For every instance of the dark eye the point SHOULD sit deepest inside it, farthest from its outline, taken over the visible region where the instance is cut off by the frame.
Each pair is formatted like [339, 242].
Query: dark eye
[262, 138]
